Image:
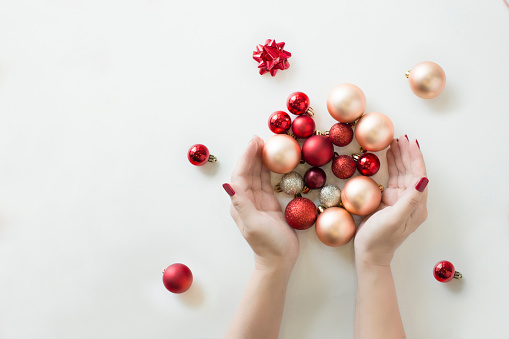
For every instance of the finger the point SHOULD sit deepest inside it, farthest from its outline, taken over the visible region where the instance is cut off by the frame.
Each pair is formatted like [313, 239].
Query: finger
[418, 167]
[240, 201]
[399, 165]
[265, 176]
[391, 164]
[242, 174]
[410, 200]
[404, 146]
[257, 164]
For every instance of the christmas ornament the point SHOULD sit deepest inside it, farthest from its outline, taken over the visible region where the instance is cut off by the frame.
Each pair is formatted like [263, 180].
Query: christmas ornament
[271, 57]
[444, 271]
[426, 80]
[335, 227]
[368, 164]
[298, 104]
[281, 153]
[317, 150]
[330, 196]
[279, 122]
[341, 134]
[374, 131]
[314, 178]
[343, 166]
[199, 155]
[303, 126]
[290, 183]
[361, 195]
[177, 278]
[300, 213]
[346, 103]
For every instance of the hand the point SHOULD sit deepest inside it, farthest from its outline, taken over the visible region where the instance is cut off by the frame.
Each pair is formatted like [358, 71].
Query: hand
[403, 206]
[258, 214]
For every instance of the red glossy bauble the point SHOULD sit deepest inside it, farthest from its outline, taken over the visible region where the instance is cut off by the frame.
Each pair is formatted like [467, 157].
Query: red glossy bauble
[198, 155]
[368, 164]
[317, 150]
[279, 122]
[301, 213]
[341, 134]
[315, 178]
[298, 103]
[177, 278]
[343, 166]
[444, 271]
[303, 126]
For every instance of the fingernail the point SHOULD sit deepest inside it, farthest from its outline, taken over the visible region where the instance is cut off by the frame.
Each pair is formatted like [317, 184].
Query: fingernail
[229, 190]
[397, 139]
[421, 184]
[252, 139]
[417, 142]
[406, 136]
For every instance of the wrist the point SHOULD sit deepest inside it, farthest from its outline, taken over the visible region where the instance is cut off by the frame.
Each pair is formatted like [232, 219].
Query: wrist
[281, 266]
[366, 259]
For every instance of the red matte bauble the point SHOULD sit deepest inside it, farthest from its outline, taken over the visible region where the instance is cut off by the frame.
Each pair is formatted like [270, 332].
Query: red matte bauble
[279, 122]
[301, 213]
[368, 164]
[317, 150]
[315, 178]
[444, 271]
[341, 134]
[298, 103]
[198, 155]
[177, 278]
[343, 166]
[303, 126]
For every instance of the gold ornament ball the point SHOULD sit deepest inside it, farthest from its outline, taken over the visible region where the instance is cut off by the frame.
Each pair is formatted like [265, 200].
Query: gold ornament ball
[374, 131]
[361, 195]
[426, 80]
[335, 227]
[281, 154]
[346, 103]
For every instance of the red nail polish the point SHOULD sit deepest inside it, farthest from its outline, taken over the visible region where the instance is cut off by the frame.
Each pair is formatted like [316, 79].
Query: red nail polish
[406, 136]
[417, 142]
[229, 190]
[421, 184]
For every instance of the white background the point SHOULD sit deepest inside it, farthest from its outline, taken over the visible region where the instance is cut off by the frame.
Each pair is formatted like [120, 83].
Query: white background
[100, 101]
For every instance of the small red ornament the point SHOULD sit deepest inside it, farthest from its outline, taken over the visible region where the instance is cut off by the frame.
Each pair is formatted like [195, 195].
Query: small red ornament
[279, 122]
[341, 134]
[303, 126]
[199, 155]
[367, 164]
[177, 278]
[271, 57]
[444, 271]
[301, 213]
[315, 178]
[317, 150]
[298, 104]
[343, 166]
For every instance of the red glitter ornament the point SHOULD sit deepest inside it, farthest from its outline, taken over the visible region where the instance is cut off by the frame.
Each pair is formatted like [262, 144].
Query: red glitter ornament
[298, 104]
[444, 271]
[303, 126]
[317, 150]
[343, 166]
[315, 178]
[199, 155]
[279, 122]
[177, 278]
[271, 57]
[367, 164]
[301, 213]
[341, 134]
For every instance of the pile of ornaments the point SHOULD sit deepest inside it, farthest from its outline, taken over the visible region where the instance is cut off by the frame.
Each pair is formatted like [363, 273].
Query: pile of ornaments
[360, 195]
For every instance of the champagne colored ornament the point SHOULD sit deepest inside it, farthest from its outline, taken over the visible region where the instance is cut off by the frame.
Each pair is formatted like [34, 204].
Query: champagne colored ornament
[290, 183]
[368, 164]
[330, 196]
[341, 134]
[317, 150]
[444, 271]
[298, 104]
[426, 80]
[343, 166]
[335, 227]
[199, 155]
[303, 126]
[346, 103]
[314, 178]
[361, 195]
[177, 278]
[374, 131]
[281, 153]
[279, 122]
[301, 213]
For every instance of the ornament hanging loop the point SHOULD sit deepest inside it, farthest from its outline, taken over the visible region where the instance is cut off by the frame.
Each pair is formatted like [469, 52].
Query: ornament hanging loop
[277, 188]
[310, 112]
[457, 275]
[381, 188]
[212, 159]
[407, 74]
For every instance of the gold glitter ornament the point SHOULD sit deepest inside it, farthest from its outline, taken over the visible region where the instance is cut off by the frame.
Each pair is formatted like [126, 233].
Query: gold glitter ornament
[291, 183]
[330, 196]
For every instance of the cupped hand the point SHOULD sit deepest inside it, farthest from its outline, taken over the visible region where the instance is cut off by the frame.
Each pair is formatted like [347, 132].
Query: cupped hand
[403, 206]
[257, 212]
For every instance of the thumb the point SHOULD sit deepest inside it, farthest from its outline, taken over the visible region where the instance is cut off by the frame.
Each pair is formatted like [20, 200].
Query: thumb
[242, 204]
[407, 204]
